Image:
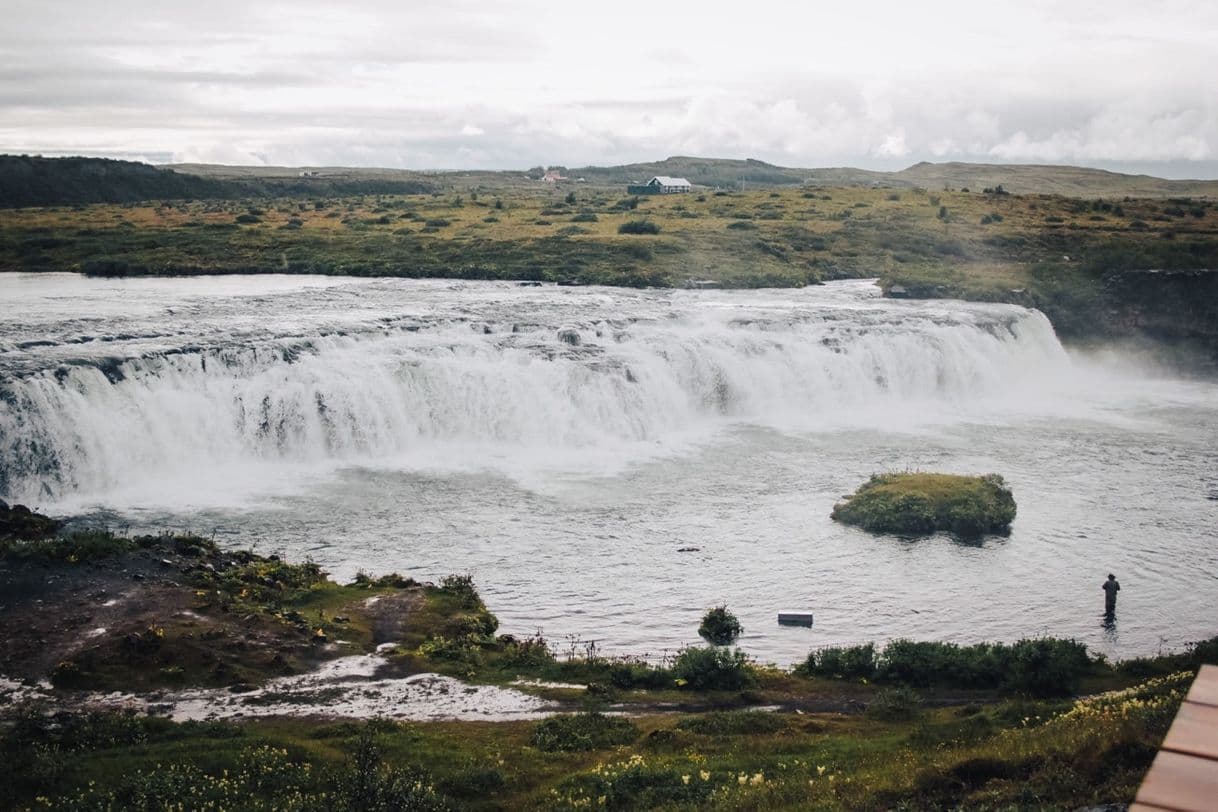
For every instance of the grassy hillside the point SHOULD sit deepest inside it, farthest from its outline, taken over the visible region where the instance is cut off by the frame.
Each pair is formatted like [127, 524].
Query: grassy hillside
[1071, 181]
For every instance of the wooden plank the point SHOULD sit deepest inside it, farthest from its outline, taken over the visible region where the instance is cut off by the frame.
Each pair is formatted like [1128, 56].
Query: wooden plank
[1178, 781]
[1205, 686]
[1194, 732]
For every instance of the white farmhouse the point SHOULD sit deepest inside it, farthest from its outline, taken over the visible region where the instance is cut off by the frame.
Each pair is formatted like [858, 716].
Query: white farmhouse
[661, 185]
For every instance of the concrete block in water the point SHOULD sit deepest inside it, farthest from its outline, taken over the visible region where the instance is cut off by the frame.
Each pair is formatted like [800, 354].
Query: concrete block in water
[793, 618]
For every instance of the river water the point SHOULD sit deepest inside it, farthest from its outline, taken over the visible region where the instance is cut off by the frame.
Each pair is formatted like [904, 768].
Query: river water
[609, 463]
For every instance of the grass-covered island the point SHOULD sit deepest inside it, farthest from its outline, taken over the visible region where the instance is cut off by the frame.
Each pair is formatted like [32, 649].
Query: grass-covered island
[208, 640]
[918, 503]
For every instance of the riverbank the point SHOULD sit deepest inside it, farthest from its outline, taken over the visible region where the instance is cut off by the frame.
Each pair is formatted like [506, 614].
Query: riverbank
[1083, 262]
[256, 662]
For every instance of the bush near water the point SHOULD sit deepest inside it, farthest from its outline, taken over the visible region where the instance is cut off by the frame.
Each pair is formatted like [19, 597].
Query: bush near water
[918, 503]
[1042, 667]
[719, 626]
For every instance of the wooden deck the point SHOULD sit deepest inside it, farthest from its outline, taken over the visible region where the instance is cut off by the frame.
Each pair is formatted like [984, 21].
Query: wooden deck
[1184, 775]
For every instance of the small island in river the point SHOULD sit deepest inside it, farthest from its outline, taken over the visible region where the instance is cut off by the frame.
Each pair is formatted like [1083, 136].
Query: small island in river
[918, 503]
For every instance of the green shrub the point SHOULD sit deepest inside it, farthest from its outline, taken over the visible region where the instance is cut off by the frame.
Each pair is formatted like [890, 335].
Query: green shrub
[924, 664]
[369, 785]
[1041, 667]
[720, 626]
[582, 731]
[1046, 666]
[584, 217]
[466, 650]
[462, 588]
[712, 669]
[848, 662]
[532, 652]
[248, 218]
[630, 674]
[638, 227]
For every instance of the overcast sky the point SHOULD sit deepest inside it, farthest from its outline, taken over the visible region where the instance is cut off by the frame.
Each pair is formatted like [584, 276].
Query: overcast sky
[514, 83]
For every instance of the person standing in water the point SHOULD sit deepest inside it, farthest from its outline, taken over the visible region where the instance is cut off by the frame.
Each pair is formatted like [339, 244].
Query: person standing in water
[1111, 587]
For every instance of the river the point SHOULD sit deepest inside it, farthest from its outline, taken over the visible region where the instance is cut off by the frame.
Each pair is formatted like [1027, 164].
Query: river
[609, 463]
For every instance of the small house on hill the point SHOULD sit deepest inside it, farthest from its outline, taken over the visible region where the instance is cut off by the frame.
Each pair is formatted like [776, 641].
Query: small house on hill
[660, 185]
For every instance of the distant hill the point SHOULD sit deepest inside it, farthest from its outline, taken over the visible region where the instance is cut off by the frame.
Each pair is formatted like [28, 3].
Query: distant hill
[36, 181]
[1070, 181]
[724, 172]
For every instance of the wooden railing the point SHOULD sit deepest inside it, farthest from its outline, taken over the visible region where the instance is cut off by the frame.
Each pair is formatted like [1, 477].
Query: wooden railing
[1184, 775]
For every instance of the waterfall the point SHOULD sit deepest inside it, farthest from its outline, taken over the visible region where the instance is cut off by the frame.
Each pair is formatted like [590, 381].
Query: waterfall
[94, 423]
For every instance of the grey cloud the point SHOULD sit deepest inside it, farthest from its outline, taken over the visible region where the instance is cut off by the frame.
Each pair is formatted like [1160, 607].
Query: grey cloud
[462, 83]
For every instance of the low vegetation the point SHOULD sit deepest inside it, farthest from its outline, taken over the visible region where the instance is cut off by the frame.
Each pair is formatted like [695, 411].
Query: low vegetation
[1038, 667]
[583, 731]
[1035, 724]
[902, 752]
[921, 503]
[1079, 261]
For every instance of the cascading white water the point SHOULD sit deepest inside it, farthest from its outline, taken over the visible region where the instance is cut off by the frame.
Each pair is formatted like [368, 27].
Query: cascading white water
[498, 373]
